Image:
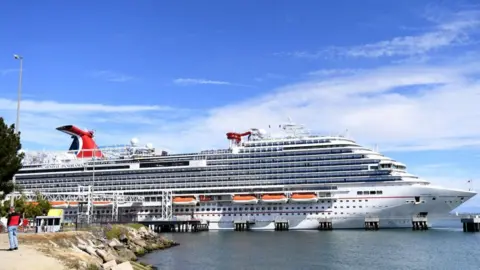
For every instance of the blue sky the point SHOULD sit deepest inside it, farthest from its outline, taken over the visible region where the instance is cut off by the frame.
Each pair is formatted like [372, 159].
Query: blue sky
[180, 74]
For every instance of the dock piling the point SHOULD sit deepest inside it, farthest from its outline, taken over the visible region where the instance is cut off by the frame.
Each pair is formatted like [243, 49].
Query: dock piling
[372, 223]
[471, 224]
[419, 223]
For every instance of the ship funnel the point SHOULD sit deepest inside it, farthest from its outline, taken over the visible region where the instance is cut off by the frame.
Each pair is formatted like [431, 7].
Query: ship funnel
[83, 144]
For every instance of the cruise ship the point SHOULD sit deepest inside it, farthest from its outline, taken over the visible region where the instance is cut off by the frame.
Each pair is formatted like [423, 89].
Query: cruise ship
[294, 176]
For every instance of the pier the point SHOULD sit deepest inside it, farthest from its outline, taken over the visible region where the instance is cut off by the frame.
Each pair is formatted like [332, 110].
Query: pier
[177, 225]
[281, 225]
[372, 223]
[471, 224]
[242, 225]
[419, 223]
[325, 224]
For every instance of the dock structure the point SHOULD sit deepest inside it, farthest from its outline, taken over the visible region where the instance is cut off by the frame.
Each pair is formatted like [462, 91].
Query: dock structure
[372, 223]
[419, 223]
[281, 224]
[242, 225]
[177, 225]
[325, 224]
[471, 224]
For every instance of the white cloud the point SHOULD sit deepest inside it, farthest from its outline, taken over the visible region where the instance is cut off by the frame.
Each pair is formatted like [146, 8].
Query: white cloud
[38, 119]
[4, 72]
[451, 29]
[333, 72]
[111, 76]
[53, 106]
[400, 108]
[190, 81]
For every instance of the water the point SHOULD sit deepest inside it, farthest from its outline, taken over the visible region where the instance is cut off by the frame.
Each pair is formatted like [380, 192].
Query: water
[442, 248]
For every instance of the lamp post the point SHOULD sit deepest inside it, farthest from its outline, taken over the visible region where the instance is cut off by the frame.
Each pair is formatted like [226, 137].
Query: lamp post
[17, 123]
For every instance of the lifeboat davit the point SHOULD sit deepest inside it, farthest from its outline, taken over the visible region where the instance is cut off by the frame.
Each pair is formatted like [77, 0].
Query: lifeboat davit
[304, 198]
[185, 200]
[245, 199]
[274, 198]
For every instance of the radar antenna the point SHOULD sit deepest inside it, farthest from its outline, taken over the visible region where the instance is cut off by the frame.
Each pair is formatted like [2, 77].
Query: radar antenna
[295, 129]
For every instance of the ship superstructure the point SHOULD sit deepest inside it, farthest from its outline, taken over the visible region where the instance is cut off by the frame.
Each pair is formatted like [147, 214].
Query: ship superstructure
[298, 177]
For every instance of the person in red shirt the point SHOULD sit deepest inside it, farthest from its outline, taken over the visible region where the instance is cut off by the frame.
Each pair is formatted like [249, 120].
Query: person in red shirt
[14, 220]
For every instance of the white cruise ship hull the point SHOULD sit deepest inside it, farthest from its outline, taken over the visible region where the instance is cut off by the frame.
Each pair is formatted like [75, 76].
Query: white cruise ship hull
[395, 208]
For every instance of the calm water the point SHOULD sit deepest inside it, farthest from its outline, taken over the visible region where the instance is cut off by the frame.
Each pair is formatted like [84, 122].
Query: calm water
[443, 248]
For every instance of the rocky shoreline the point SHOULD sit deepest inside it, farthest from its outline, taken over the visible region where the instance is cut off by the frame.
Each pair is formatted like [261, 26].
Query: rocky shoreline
[110, 247]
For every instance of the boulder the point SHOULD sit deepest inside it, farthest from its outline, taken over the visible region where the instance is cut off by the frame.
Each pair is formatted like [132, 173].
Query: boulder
[53, 244]
[109, 265]
[91, 243]
[140, 242]
[143, 231]
[123, 266]
[115, 243]
[106, 257]
[123, 238]
[90, 250]
[127, 254]
[80, 241]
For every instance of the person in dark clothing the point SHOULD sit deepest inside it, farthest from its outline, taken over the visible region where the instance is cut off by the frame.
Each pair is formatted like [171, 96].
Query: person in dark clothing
[14, 220]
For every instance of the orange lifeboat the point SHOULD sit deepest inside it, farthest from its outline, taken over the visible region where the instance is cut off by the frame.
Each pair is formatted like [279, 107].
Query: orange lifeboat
[59, 204]
[190, 200]
[274, 198]
[304, 198]
[102, 203]
[73, 204]
[245, 199]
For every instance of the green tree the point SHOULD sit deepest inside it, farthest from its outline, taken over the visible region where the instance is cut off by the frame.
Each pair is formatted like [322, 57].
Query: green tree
[10, 157]
[39, 207]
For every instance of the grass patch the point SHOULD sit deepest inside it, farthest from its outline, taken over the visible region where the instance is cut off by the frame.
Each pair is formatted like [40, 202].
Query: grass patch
[114, 232]
[136, 226]
[92, 267]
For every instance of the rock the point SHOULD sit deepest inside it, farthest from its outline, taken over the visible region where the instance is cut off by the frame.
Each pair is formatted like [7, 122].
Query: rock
[127, 254]
[109, 265]
[106, 257]
[91, 243]
[53, 244]
[82, 265]
[115, 243]
[123, 238]
[75, 248]
[82, 247]
[140, 242]
[123, 266]
[140, 266]
[90, 250]
[143, 231]
[80, 241]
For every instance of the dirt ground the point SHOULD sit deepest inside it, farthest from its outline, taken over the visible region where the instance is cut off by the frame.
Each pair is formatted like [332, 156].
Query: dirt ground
[25, 258]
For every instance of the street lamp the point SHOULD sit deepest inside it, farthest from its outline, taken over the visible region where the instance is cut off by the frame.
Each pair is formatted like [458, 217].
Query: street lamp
[17, 123]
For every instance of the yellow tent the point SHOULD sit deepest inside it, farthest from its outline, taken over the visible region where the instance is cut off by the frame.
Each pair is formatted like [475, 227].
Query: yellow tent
[56, 213]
